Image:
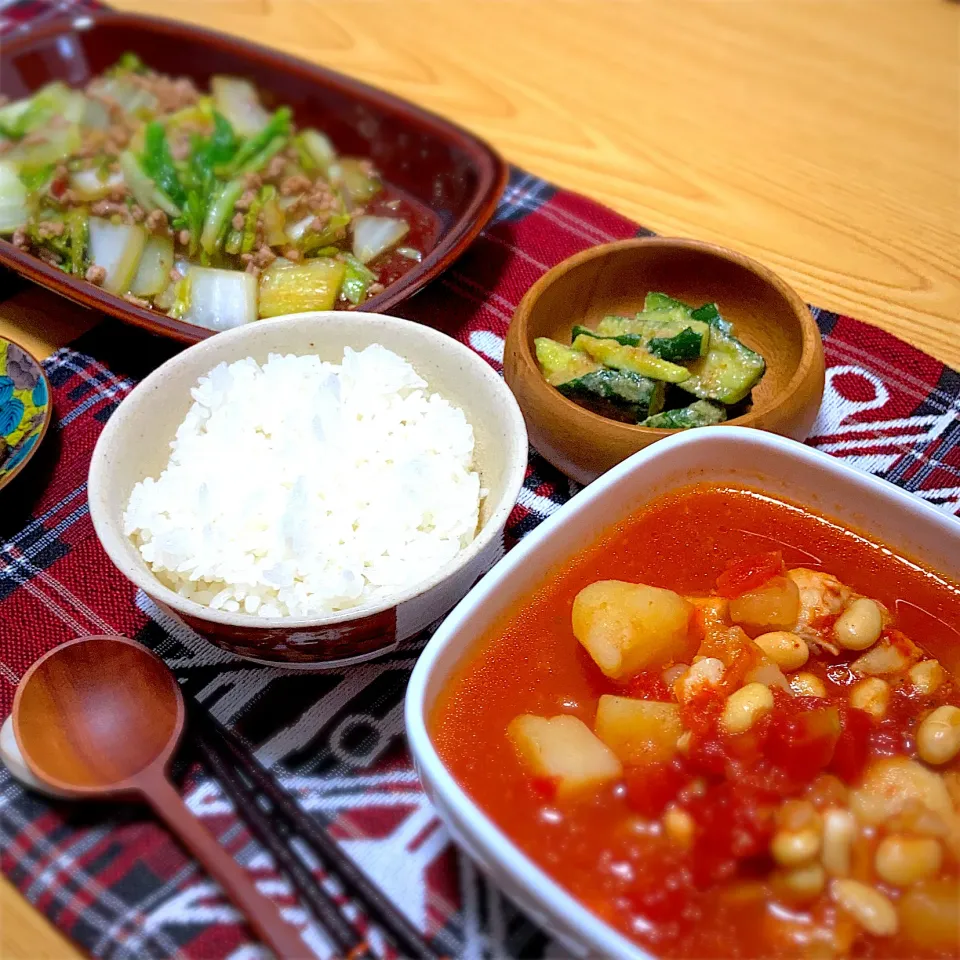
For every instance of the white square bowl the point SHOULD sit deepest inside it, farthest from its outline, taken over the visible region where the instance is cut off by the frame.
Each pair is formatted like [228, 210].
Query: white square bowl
[777, 466]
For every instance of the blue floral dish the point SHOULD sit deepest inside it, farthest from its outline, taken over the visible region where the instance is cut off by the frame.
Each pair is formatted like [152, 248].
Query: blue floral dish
[25, 408]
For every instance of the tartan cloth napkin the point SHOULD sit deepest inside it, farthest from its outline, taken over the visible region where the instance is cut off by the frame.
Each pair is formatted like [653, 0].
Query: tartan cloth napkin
[110, 876]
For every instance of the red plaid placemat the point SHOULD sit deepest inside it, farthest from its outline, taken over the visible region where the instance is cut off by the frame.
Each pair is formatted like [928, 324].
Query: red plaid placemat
[111, 877]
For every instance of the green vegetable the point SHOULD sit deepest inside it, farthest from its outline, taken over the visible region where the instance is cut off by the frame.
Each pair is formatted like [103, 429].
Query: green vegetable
[78, 231]
[631, 359]
[182, 297]
[117, 248]
[703, 413]
[250, 224]
[55, 144]
[153, 272]
[336, 229]
[560, 363]
[727, 373]
[313, 285]
[129, 62]
[36, 177]
[275, 234]
[144, 190]
[688, 344]
[654, 327]
[14, 210]
[626, 339]
[359, 186]
[356, 279]
[21, 117]
[218, 215]
[710, 313]
[158, 164]
[259, 144]
[641, 395]
[318, 147]
[233, 241]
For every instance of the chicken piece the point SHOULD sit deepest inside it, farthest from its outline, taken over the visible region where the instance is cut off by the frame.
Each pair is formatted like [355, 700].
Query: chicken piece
[822, 597]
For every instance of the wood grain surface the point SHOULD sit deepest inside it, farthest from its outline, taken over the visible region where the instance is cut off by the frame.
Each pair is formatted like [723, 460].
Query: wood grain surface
[820, 136]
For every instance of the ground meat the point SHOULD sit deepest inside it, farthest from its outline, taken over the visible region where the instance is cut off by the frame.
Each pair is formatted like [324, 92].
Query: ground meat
[118, 193]
[172, 94]
[5, 145]
[48, 256]
[107, 208]
[252, 269]
[264, 256]
[95, 274]
[297, 183]
[20, 239]
[292, 253]
[136, 301]
[275, 167]
[136, 213]
[184, 237]
[175, 275]
[321, 198]
[32, 139]
[246, 199]
[156, 221]
[297, 205]
[253, 181]
[374, 289]
[180, 148]
[238, 221]
[50, 228]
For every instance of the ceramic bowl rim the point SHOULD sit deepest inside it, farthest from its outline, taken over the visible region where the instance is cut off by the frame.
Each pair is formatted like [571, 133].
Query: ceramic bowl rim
[9, 476]
[588, 418]
[515, 463]
[456, 804]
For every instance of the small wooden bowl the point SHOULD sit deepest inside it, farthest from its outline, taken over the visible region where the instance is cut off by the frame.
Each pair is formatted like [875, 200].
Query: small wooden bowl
[614, 279]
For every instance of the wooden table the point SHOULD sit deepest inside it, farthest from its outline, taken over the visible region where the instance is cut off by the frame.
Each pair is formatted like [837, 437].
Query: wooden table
[820, 136]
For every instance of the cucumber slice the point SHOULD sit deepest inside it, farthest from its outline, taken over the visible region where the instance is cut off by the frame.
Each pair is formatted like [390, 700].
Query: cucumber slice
[627, 339]
[560, 363]
[641, 395]
[702, 413]
[727, 373]
[631, 359]
[710, 313]
[669, 333]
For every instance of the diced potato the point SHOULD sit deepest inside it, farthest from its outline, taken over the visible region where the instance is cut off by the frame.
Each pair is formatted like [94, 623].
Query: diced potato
[628, 627]
[773, 606]
[885, 658]
[638, 731]
[565, 750]
[930, 914]
[892, 783]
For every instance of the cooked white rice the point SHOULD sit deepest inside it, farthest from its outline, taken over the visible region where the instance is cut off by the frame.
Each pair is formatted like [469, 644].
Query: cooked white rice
[299, 487]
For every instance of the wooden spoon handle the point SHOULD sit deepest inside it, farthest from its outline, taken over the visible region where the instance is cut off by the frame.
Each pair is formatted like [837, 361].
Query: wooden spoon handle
[263, 915]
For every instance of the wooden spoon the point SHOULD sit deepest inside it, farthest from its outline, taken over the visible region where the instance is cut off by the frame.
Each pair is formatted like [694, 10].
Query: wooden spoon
[101, 717]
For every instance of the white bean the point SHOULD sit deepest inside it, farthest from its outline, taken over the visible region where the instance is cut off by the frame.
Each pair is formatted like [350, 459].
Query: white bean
[804, 882]
[807, 685]
[871, 695]
[785, 649]
[927, 675]
[745, 706]
[839, 831]
[870, 908]
[903, 860]
[790, 848]
[938, 736]
[678, 826]
[859, 626]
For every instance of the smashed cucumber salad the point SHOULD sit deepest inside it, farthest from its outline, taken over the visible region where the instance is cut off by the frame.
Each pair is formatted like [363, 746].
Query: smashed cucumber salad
[671, 366]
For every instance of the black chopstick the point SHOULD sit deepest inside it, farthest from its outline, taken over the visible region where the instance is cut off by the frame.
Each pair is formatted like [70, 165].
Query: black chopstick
[378, 908]
[345, 938]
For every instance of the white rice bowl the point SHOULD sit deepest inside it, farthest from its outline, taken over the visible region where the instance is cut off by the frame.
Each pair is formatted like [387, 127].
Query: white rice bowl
[299, 488]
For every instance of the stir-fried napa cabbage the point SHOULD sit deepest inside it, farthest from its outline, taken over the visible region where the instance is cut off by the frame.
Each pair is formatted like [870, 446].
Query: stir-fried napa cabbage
[208, 207]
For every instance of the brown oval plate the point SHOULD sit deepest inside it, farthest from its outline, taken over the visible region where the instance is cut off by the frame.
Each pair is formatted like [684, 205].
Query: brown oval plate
[453, 175]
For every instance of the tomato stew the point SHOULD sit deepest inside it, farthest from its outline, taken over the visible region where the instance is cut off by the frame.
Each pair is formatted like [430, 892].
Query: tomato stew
[716, 727]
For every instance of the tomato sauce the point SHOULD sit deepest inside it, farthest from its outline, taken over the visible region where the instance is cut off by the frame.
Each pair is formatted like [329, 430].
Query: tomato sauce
[715, 899]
